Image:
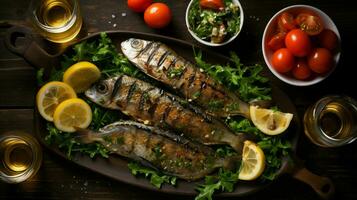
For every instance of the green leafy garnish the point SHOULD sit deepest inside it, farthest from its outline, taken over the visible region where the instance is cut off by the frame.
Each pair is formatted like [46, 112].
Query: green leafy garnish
[224, 181]
[156, 178]
[175, 72]
[244, 79]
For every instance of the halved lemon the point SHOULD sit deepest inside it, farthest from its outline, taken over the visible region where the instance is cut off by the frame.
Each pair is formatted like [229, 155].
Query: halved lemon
[253, 161]
[269, 121]
[50, 96]
[81, 76]
[72, 113]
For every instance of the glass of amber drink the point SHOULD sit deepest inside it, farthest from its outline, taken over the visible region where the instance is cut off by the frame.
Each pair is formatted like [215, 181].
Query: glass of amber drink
[21, 156]
[58, 21]
[332, 121]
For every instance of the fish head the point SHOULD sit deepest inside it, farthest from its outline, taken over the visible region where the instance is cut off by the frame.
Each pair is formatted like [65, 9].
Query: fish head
[101, 92]
[132, 47]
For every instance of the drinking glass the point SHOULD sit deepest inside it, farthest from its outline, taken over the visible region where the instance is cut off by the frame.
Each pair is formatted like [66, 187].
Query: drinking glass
[332, 121]
[58, 21]
[21, 156]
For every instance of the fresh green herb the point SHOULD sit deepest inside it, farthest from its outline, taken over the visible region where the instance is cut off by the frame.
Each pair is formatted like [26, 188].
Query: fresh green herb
[102, 116]
[225, 151]
[245, 79]
[214, 105]
[175, 72]
[224, 181]
[157, 151]
[233, 106]
[156, 178]
[214, 26]
[196, 95]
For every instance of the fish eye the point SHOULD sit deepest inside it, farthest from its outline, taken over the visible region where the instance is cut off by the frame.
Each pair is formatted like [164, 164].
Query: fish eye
[102, 88]
[137, 44]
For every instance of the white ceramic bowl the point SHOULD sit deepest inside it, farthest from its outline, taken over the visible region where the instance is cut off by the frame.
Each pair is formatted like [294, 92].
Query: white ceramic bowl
[215, 44]
[270, 30]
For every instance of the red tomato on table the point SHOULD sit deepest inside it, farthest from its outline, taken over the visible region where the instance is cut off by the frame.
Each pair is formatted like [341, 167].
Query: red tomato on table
[320, 60]
[282, 60]
[298, 43]
[158, 15]
[139, 5]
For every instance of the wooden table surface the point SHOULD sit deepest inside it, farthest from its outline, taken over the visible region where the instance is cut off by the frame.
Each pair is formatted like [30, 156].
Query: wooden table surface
[60, 179]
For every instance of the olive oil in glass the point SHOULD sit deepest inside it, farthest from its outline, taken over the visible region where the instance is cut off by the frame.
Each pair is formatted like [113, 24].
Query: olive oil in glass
[21, 156]
[332, 121]
[59, 21]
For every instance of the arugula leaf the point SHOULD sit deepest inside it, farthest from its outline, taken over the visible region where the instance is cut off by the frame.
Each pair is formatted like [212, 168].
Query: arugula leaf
[156, 178]
[245, 79]
[224, 181]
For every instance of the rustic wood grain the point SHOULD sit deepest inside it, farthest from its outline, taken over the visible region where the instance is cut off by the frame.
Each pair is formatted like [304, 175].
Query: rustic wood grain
[59, 179]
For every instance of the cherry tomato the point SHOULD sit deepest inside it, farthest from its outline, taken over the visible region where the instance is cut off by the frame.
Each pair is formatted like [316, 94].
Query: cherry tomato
[310, 24]
[213, 4]
[286, 21]
[301, 71]
[298, 43]
[328, 39]
[320, 60]
[282, 60]
[277, 41]
[157, 15]
[139, 5]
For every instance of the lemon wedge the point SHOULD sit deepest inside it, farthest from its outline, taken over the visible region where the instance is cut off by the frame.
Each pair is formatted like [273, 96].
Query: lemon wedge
[72, 113]
[269, 121]
[253, 161]
[81, 76]
[50, 96]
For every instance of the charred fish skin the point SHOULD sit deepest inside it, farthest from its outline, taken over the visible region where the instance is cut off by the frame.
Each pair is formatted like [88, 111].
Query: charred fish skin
[153, 106]
[163, 64]
[158, 149]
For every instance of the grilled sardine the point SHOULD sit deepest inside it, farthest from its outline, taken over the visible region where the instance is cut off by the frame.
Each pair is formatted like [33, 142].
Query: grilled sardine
[158, 149]
[163, 64]
[151, 105]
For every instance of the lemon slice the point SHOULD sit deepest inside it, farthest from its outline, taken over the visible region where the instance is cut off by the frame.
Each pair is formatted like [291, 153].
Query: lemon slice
[50, 95]
[72, 113]
[81, 76]
[253, 161]
[269, 121]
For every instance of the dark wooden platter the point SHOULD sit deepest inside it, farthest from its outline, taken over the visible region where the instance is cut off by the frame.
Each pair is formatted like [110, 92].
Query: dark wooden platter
[116, 167]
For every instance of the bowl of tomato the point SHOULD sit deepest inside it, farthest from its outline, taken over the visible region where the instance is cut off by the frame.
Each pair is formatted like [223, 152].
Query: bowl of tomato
[214, 22]
[301, 45]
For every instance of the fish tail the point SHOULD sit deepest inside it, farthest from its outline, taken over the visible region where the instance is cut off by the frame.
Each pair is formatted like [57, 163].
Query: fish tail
[241, 108]
[85, 136]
